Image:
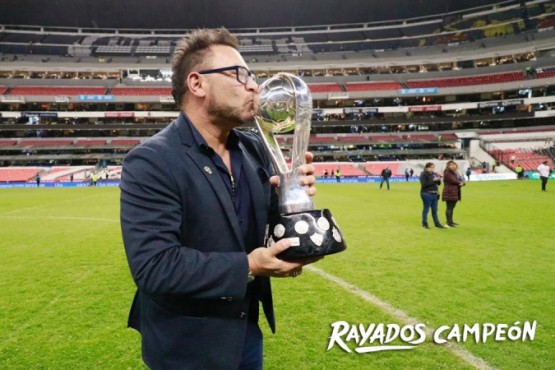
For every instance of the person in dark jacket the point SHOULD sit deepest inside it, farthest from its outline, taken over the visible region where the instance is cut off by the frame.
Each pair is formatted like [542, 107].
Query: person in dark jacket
[385, 175]
[451, 194]
[429, 182]
[195, 201]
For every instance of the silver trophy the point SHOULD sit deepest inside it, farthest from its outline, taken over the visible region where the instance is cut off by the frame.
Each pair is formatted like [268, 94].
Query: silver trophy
[286, 104]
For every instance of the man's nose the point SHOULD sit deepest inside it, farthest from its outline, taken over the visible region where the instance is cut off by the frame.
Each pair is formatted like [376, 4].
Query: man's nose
[252, 85]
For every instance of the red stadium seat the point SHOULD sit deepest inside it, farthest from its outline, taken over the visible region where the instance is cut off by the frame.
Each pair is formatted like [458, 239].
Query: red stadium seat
[142, 91]
[8, 142]
[125, 142]
[90, 142]
[8, 174]
[41, 90]
[324, 88]
[468, 81]
[373, 86]
[45, 142]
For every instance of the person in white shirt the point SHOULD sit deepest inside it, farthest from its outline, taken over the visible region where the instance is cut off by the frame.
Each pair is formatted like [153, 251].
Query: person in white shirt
[544, 171]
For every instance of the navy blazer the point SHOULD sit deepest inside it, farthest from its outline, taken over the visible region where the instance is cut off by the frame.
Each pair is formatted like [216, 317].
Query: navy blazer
[185, 251]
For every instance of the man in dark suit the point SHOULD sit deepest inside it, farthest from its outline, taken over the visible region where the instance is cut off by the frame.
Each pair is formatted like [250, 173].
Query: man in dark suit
[195, 201]
[385, 175]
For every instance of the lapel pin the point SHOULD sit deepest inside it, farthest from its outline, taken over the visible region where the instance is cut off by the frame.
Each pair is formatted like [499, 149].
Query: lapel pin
[208, 170]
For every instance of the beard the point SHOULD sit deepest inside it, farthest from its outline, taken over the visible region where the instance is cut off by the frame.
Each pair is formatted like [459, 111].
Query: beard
[237, 116]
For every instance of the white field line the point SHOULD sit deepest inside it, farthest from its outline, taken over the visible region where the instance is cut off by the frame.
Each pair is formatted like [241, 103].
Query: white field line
[400, 315]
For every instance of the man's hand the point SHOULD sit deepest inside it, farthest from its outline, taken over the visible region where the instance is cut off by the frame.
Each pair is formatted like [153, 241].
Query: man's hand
[263, 261]
[308, 179]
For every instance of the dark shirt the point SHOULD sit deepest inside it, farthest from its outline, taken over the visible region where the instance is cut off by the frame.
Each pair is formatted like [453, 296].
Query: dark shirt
[427, 182]
[237, 186]
[239, 191]
[386, 173]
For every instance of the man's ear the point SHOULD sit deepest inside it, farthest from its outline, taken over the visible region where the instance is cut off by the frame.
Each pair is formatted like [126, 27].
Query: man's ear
[195, 84]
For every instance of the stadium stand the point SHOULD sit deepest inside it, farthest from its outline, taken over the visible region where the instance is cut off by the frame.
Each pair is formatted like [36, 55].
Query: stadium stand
[90, 142]
[6, 143]
[18, 174]
[356, 73]
[372, 86]
[324, 88]
[375, 169]
[44, 143]
[124, 142]
[527, 158]
[141, 91]
[466, 81]
[41, 90]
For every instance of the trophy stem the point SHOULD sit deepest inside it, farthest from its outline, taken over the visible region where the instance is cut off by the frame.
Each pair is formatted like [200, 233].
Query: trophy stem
[293, 197]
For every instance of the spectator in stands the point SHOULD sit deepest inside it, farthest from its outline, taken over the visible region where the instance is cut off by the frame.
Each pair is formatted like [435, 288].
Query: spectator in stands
[338, 175]
[385, 175]
[195, 201]
[451, 194]
[37, 179]
[429, 193]
[519, 172]
[468, 173]
[544, 172]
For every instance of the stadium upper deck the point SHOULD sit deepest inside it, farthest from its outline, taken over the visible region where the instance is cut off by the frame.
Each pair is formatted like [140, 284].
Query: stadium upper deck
[458, 70]
[443, 33]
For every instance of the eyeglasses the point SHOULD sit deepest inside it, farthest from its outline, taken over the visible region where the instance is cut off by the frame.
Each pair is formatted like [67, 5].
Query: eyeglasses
[241, 73]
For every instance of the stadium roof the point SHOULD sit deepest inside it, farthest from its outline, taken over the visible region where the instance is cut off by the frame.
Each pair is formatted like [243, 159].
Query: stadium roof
[187, 14]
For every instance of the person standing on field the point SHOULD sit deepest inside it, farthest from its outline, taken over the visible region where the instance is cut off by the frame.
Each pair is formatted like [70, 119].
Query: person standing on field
[451, 193]
[385, 175]
[429, 193]
[544, 171]
[194, 206]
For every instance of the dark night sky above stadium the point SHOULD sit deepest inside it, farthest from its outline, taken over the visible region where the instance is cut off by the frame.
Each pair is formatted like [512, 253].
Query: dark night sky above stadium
[183, 14]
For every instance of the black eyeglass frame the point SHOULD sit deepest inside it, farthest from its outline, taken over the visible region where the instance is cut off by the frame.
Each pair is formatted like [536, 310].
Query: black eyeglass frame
[250, 74]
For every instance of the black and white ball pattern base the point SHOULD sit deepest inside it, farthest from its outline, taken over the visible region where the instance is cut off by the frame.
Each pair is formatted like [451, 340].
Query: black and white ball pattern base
[312, 234]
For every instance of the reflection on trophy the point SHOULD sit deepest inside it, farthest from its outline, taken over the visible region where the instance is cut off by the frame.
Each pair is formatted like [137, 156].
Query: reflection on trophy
[286, 104]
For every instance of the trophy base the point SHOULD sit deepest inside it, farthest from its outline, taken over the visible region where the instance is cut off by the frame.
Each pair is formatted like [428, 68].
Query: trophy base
[313, 234]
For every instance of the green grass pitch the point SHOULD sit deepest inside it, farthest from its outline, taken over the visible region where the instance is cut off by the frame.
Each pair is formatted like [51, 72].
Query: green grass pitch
[65, 288]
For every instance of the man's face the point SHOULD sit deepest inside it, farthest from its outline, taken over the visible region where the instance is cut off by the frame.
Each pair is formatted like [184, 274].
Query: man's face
[229, 101]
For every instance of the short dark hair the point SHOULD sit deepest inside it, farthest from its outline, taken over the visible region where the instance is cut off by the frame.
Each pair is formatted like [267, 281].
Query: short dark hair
[191, 51]
[429, 164]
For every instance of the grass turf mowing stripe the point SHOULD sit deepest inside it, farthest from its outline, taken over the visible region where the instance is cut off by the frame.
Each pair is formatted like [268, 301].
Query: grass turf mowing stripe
[61, 218]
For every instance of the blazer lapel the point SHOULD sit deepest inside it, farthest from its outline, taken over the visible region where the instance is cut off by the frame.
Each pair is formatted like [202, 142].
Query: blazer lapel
[210, 173]
[250, 170]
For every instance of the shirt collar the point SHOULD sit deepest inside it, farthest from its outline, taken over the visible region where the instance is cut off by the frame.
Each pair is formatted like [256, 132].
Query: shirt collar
[232, 140]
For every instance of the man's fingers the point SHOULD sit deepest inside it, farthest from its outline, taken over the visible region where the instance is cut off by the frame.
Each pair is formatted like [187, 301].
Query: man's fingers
[308, 180]
[307, 169]
[274, 180]
[280, 246]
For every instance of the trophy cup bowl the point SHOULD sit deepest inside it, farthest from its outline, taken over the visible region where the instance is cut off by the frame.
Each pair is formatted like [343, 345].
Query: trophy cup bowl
[286, 105]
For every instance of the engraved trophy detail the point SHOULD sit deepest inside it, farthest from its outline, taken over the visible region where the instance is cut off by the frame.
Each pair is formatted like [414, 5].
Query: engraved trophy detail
[285, 105]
